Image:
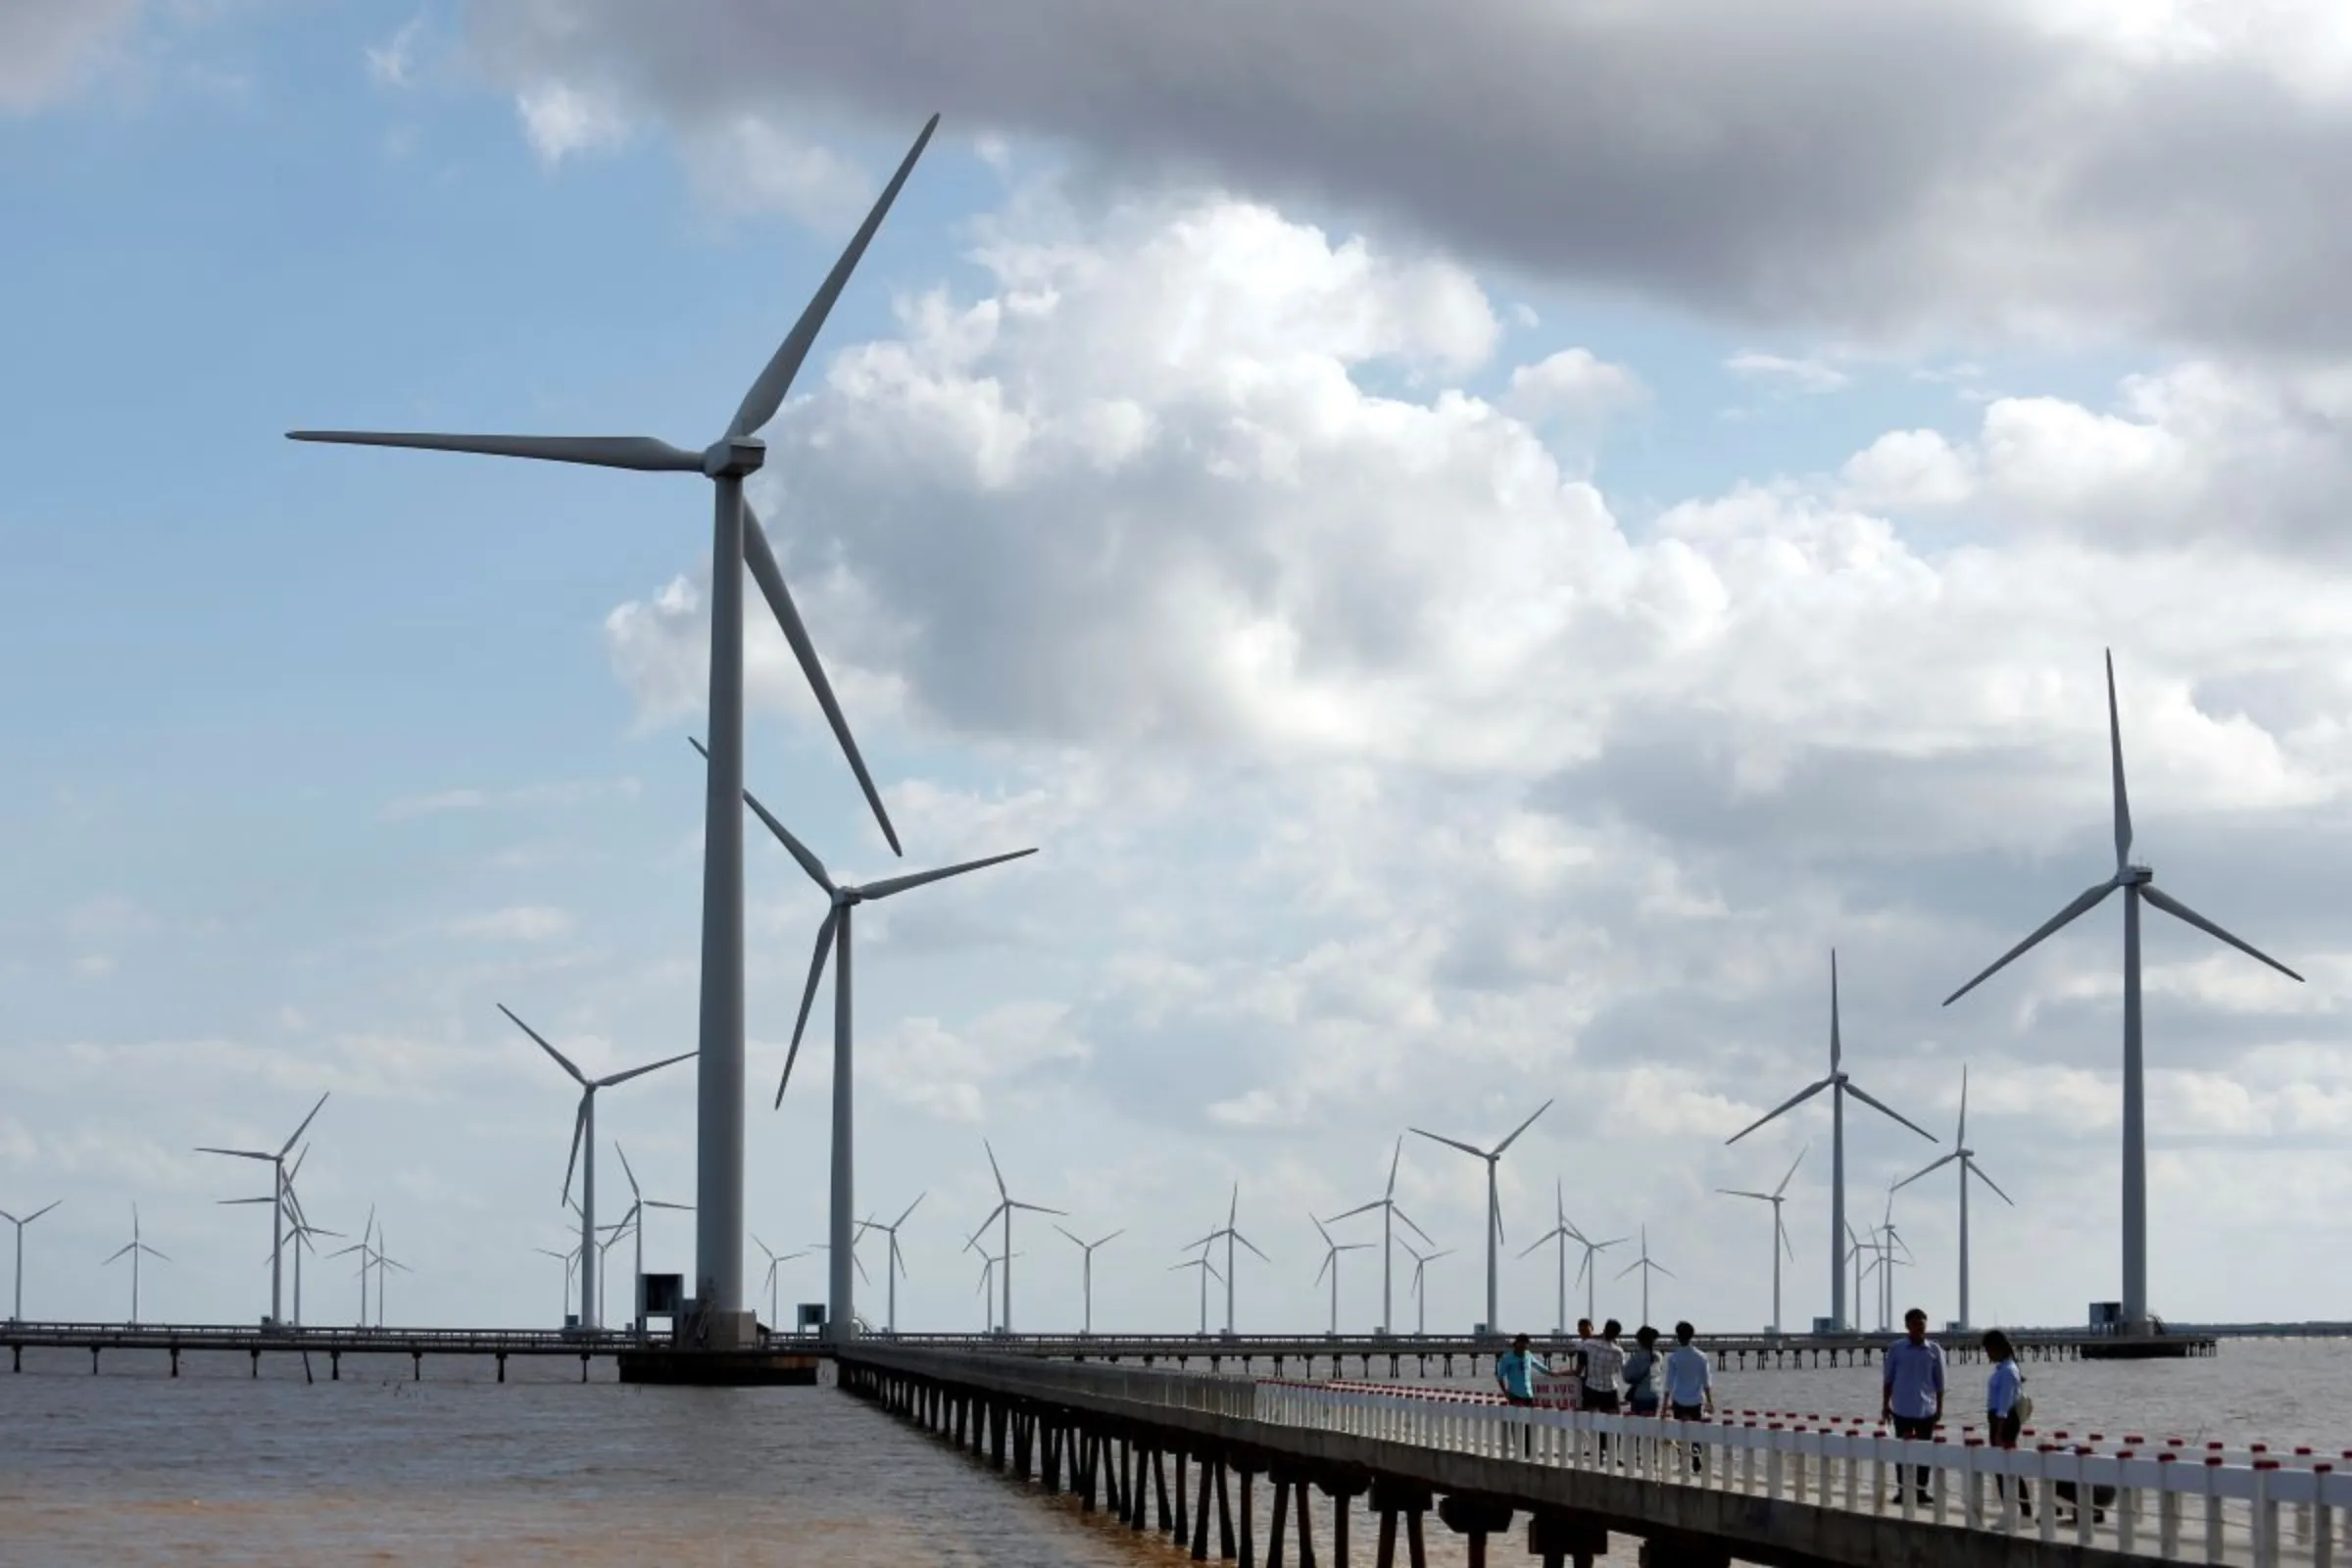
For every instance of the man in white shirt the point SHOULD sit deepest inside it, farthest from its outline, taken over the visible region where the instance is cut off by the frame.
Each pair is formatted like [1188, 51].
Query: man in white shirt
[1689, 1384]
[1603, 1359]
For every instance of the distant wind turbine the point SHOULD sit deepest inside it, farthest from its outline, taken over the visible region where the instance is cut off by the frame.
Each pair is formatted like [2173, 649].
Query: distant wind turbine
[1330, 1266]
[1839, 1085]
[16, 1313]
[1390, 1213]
[1780, 1231]
[1228, 1234]
[583, 1134]
[278, 1207]
[1006, 1204]
[1493, 1207]
[1563, 1233]
[132, 1250]
[775, 1264]
[2139, 883]
[737, 538]
[1648, 1268]
[1589, 1270]
[1208, 1271]
[833, 938]
[1421, 1262]
[1967, 1158]
[569, 1260]
[366, 1249]
[1087, 1273]
[383, 1263]
[894, 1265]
[638, 1205]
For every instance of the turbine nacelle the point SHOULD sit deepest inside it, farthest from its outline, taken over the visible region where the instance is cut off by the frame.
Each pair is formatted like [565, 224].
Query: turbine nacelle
[734, 457]
[2133, 876]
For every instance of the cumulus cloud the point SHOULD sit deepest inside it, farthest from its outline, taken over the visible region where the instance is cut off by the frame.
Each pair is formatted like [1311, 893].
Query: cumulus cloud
[560, 120]
[2087, 169]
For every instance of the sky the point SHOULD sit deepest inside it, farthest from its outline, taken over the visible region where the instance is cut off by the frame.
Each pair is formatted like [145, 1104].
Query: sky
[1479, 551]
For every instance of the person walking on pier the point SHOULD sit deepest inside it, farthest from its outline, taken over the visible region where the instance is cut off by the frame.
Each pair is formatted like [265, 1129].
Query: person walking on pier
[2005, 1409]
[1689, 1384]
[1911, 1392]
[1515, 1371]
[1603, 1359]
[1641, 1373]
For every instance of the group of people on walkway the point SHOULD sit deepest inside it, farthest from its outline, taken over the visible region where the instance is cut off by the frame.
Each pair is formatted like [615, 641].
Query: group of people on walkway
[1681, 1384]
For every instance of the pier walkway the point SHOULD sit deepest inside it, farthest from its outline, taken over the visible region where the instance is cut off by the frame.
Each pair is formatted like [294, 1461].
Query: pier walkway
[1774, 1491]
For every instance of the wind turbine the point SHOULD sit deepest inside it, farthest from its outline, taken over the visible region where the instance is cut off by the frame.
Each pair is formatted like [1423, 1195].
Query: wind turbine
[365, 1250]
[1967, 1158]
[1648, 1268]
[775, 1263]
[896, 1263]
[1229, 1235]
[569, 1260]
[277, 1206]
[1087, 1273]
[1889, 1243]
[1330, 1266]
[583, 1132]
[1208, 1271]
[16, 1313]
[1494, 1206]
[383, 1262]
[988, 1300]
[132, 1249]
[638, 1205]
[1421, 1262]
[1006, 1204]
[1563, 1233]
[736, 537]
[2139, 883]
[1839, 1085]
[1590, 1274]
[1780, 1231]
[833, 936]
[1386, 1203]
[298, 1224]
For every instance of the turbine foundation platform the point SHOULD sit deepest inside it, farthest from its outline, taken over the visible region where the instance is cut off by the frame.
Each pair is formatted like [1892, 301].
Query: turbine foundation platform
[719, 1369]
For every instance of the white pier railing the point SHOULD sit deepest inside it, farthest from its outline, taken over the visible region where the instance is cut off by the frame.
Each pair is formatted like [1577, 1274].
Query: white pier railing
[2212, 1506]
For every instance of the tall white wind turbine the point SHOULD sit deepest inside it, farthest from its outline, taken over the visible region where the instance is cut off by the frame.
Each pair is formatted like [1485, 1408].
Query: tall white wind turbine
[277, 1206]
[1228, 1234]
[1421, 1262]
[1086, 1252]
[569, 1260]
[1780, 1230]
[1208, 1271]
[893, 1267]
[638, 1205]
[16, 1313]
[833, 938]
[1648, 1267]
[583, 1134]
[2138, 884]
[132, 1250]
[1587, 1271]
[1390, 1213]
[1563, 1233]
[737, 537]
[298, 1224]
[1966, 1157]
[1839, 1085]
[366, 1247]
[382, 1264]
[775, 1265]
[1330, 1266]
[1494, 1207]
[1006, 1204]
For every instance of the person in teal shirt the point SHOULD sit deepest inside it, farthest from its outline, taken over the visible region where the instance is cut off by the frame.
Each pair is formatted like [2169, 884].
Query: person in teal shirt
[1515, 1370]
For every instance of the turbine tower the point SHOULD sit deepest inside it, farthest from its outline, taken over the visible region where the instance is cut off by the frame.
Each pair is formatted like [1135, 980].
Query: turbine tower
[1839, 1085]
[1087, 1275]
[1780, 1230]
[1421, 1262]
[1563, 1233]
[2139, 883]
[1386, 1203]
[833, 937]
[278, 1204]
[132, 1250]
[1494, 1207]
[1648, 1268]
[16, 1313]
[1229, 1235]
[736, 537]
[1208, 1271]
[895, 1264]
[1006, 1204]
[1967, 1158]
[1330, 1266]
[583, 1132]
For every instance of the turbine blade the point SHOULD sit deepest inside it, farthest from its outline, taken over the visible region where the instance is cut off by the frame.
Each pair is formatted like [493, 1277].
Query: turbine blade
[1786, 1105]
[305, 1125]
[1539, 1241]
[626, 1170]
[1319, 1230]
[2123, 801]
[126, 1247]
[2181, 911]
[1073, 1238]
[993, 1169]
[1836, 1047]
[639, 1072]
[761, 559]
[902, 1219]
[1112, 1237]
[1394, 1160]
[240, 1154]
[1960, 1139]
[1929, 1170]
[1974, 1170]
[1630, 1267]
[579, 1128]
[1663, 1269]
[1409, 1220]
[1792, 1164]
[1360, 1208]
[1784, 1231]
[561, 1060]
[1034, 1208]
[900, 884]
[1454, 1143]
[38, 1212]
[800, 852]
[1325, 1269]
[640, 453]
[817, 972]
[766, 394]
[1522, 1127]
[2084, 901]
[1734, 1192]
[1253, 1246]
[1887, 1112]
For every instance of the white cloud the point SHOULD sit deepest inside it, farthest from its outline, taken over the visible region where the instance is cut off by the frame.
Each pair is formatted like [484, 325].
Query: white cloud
[393, 63]
[1908, 469]
[1807, 375]
[50, 47]
[522, 922]
[528, 797]
[747, 165]
[560, 120]
[1572, 384]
